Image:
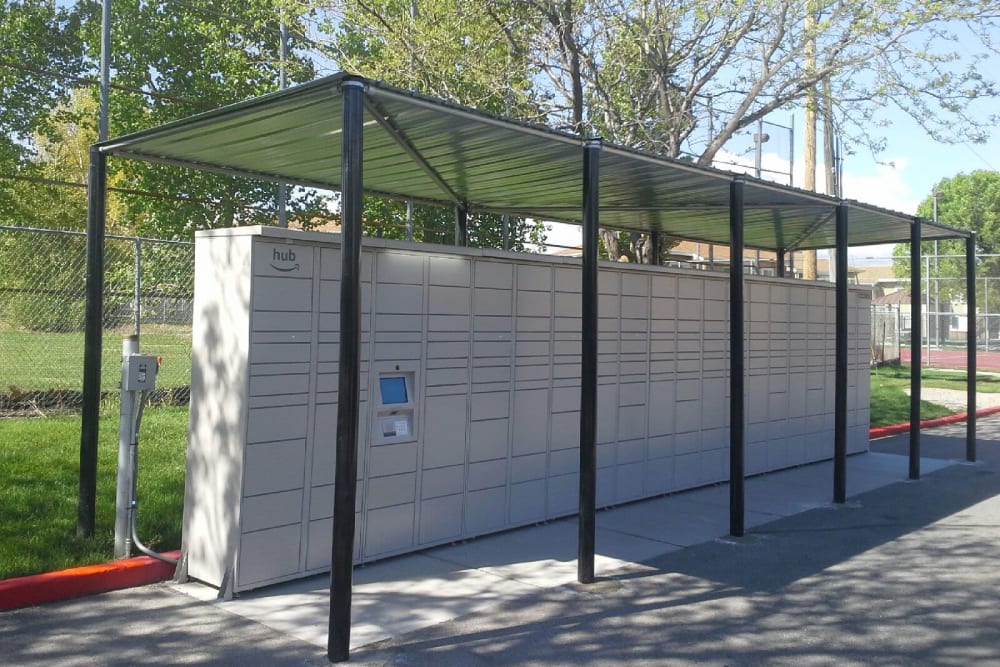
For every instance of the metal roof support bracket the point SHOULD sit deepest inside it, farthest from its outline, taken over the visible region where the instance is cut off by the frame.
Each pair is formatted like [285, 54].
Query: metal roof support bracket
[916, 327]
[394, 131]
[92, 345]
[737, 431]
[970, 306]
[840, 363]
[588, 363]
[349, 380]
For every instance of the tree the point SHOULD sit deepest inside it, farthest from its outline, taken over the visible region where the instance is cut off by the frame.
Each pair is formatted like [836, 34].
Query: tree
[967, 201]
[446, 50]
[40, 53]
[171, 60]
[684, 78]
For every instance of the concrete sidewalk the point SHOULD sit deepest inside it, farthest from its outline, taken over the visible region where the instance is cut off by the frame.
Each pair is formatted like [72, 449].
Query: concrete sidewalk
[903, 574]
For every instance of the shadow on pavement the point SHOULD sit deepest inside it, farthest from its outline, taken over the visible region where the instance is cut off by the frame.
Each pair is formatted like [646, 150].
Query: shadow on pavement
[901, 575]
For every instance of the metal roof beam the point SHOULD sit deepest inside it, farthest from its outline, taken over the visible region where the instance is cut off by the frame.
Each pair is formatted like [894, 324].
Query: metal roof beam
[417, 100]
[385, 120]
[226, 171]
[821, 222]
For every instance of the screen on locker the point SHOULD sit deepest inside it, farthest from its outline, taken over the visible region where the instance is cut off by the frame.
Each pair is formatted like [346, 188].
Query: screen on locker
[393, 389]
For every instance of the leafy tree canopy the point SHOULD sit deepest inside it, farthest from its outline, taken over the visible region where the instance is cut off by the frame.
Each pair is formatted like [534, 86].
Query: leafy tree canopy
[169, 60]
[685, 77]
[967, 201]
[449, 50]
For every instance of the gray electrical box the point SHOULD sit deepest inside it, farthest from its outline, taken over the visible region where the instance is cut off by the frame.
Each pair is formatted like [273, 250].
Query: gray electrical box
[139, 372]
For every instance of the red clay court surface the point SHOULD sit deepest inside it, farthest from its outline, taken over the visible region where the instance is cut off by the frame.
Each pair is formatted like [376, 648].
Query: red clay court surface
[985, 361]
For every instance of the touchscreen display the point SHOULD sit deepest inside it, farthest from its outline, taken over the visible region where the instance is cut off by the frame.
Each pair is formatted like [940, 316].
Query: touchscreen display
[393, 390]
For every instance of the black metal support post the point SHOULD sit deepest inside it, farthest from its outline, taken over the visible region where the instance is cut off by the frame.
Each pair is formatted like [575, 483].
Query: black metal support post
[92, 343]
[737, 433]
[461, 226]
[916, 334]
[348, 399]
[588, 364]
[655, 248]
[780, 266]
[840, 382]
[970, 305]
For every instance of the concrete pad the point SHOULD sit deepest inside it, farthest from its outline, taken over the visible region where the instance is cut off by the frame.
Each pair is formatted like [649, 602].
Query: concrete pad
[545, 555]
[389, 597]
[679, 520]
[403, 594]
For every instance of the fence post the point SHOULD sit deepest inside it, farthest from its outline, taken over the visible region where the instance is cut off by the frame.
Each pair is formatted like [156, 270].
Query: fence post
[137, 286]
[986, 310]
[927, 325]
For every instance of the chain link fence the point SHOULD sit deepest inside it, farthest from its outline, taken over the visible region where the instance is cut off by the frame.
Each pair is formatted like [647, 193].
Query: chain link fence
[149, 287]
[885, 334]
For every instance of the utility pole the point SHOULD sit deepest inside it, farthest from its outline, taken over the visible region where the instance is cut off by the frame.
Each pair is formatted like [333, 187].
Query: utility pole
[809, 268]
[829, 161]
[759, 138]
[102, 121]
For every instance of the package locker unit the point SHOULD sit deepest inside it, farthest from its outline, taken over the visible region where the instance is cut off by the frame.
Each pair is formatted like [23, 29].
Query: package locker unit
[470, 393]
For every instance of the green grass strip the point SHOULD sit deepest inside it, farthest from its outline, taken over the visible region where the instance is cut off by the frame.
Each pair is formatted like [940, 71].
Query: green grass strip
[39, 466]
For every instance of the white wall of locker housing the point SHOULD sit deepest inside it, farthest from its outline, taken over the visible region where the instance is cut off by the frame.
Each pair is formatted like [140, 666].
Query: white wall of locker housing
[470, 393]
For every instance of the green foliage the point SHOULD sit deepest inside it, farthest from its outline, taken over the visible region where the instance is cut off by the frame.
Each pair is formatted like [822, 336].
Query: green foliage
[474, 53]
[41, 44]
[686, 76]
[966, 201]
[40, 41]
[190, 57]
[61, 156]
[385, 218]
[169, 60]
[463, 53]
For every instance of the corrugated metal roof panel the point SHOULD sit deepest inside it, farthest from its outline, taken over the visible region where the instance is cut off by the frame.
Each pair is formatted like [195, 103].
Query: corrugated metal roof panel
[432, 151]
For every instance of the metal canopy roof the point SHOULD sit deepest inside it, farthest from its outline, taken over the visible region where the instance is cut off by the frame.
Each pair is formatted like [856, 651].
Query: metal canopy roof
[434, 152]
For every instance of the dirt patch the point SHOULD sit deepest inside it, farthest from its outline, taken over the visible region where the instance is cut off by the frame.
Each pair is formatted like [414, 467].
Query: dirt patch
[53, 402]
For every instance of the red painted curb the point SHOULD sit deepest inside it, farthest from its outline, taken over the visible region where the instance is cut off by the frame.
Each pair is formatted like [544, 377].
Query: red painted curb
[896, 429]
[87, 580]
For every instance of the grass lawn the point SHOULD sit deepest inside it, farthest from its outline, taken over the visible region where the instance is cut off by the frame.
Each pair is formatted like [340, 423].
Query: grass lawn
[39, 467]
[55, 360]
[890, 404]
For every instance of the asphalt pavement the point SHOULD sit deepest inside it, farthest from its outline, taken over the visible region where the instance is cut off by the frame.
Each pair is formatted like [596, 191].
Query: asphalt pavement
[903, 574]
